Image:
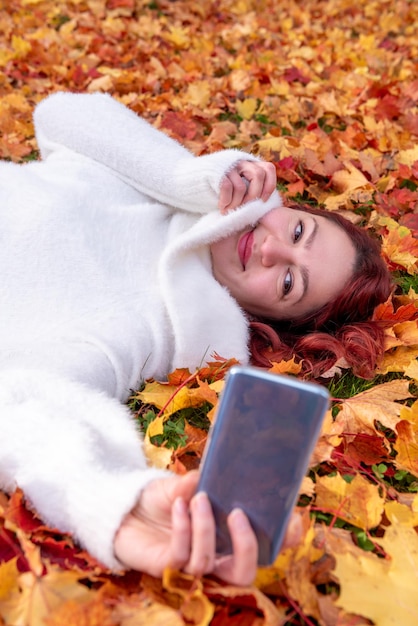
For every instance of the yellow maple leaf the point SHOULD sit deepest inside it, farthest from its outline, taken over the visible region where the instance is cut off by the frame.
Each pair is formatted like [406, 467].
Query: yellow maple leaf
[157, 394]
[246, 108]
[358, 502]
[37, 596]
[286, 367]
[157, 456]
[20, 46]
[407, 157]
[383, 590]
[178, 36]
[398, 513]
[294, 567]
[402, 359]
[199, 93]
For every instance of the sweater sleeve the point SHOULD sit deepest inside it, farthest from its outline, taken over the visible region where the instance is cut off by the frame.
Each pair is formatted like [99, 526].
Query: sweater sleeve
[101, 128]
[74, 452]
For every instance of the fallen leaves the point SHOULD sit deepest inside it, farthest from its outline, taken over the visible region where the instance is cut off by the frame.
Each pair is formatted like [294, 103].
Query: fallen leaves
[330, 97]
[383, 590]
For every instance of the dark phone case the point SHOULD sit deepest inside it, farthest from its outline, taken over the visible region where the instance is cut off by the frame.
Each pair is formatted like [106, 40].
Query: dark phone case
[258, 452]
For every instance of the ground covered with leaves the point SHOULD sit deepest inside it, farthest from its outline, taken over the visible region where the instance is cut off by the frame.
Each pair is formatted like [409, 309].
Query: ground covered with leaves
[328, 90]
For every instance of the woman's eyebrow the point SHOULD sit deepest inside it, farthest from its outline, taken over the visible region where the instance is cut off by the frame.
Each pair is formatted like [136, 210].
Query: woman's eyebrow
[303, 269]
[311, 238]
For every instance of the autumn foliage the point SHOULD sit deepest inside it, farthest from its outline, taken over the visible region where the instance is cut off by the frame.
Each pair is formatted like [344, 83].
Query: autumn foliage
[328, 91]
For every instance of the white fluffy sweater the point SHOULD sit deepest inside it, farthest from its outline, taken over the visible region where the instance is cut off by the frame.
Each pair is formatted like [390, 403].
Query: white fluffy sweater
[105, 280]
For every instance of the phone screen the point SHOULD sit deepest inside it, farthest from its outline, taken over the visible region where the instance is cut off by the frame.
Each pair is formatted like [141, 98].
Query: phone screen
[258, 452]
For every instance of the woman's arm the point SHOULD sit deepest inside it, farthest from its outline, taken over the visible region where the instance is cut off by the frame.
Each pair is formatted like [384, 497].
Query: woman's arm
[75, 454]
[99, 127]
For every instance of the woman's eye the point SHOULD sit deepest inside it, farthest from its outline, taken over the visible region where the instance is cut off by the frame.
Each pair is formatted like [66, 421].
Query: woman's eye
[298, 232]
[287, 283]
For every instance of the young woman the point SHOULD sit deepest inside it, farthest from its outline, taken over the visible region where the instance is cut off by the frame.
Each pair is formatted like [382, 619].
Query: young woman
[122, 258]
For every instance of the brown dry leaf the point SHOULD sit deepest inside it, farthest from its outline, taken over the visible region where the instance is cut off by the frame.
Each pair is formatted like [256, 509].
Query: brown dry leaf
[349, 179]
[359, 413]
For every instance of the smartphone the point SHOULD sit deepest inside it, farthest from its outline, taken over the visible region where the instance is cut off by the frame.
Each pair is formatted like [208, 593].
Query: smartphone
[258, 452]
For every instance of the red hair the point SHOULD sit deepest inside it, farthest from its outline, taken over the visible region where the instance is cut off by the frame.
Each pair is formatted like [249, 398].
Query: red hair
[343, 327]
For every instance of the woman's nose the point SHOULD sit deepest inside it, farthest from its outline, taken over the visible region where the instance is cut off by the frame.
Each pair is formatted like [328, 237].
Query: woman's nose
[274, 251]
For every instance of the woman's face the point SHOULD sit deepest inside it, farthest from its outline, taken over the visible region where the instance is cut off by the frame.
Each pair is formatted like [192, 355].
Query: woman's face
[289, 265]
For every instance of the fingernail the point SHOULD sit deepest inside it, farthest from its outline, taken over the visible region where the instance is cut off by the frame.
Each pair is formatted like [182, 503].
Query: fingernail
[239, 519]
[180, 506]
[201, 503]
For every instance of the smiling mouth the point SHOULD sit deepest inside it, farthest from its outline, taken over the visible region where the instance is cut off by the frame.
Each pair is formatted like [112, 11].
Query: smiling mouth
[245, 247]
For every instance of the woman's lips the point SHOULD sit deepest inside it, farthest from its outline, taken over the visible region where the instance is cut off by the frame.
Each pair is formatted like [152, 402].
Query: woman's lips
[245, 247]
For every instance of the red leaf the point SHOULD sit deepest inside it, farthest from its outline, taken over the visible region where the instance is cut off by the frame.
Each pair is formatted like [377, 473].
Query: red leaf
[179, 125]
[293, 74]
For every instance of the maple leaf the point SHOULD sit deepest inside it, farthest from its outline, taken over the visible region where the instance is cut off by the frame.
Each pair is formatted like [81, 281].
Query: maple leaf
[38, 596]
[195, 606]
[337, 115]
[360, 413]
[179, 125]
[357, 502]
[386, 311]
[247, 108]
[398, 245]
[401, 359]
[398, 513]
[294, 567]
[286, 367]
[406, 443]
[383, 590]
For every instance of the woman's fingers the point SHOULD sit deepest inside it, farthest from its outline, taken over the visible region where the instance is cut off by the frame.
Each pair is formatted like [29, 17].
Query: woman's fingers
[233, 191]
[261, 176]
[181, 536]
[247, 181]
[202, 556]
[240, 568]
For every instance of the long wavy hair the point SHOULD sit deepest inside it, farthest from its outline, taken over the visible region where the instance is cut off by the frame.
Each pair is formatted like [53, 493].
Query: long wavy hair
[344, 327]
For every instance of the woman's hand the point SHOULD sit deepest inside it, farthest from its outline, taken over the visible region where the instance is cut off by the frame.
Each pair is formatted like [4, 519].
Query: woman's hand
[247, 181]
[172, 526]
